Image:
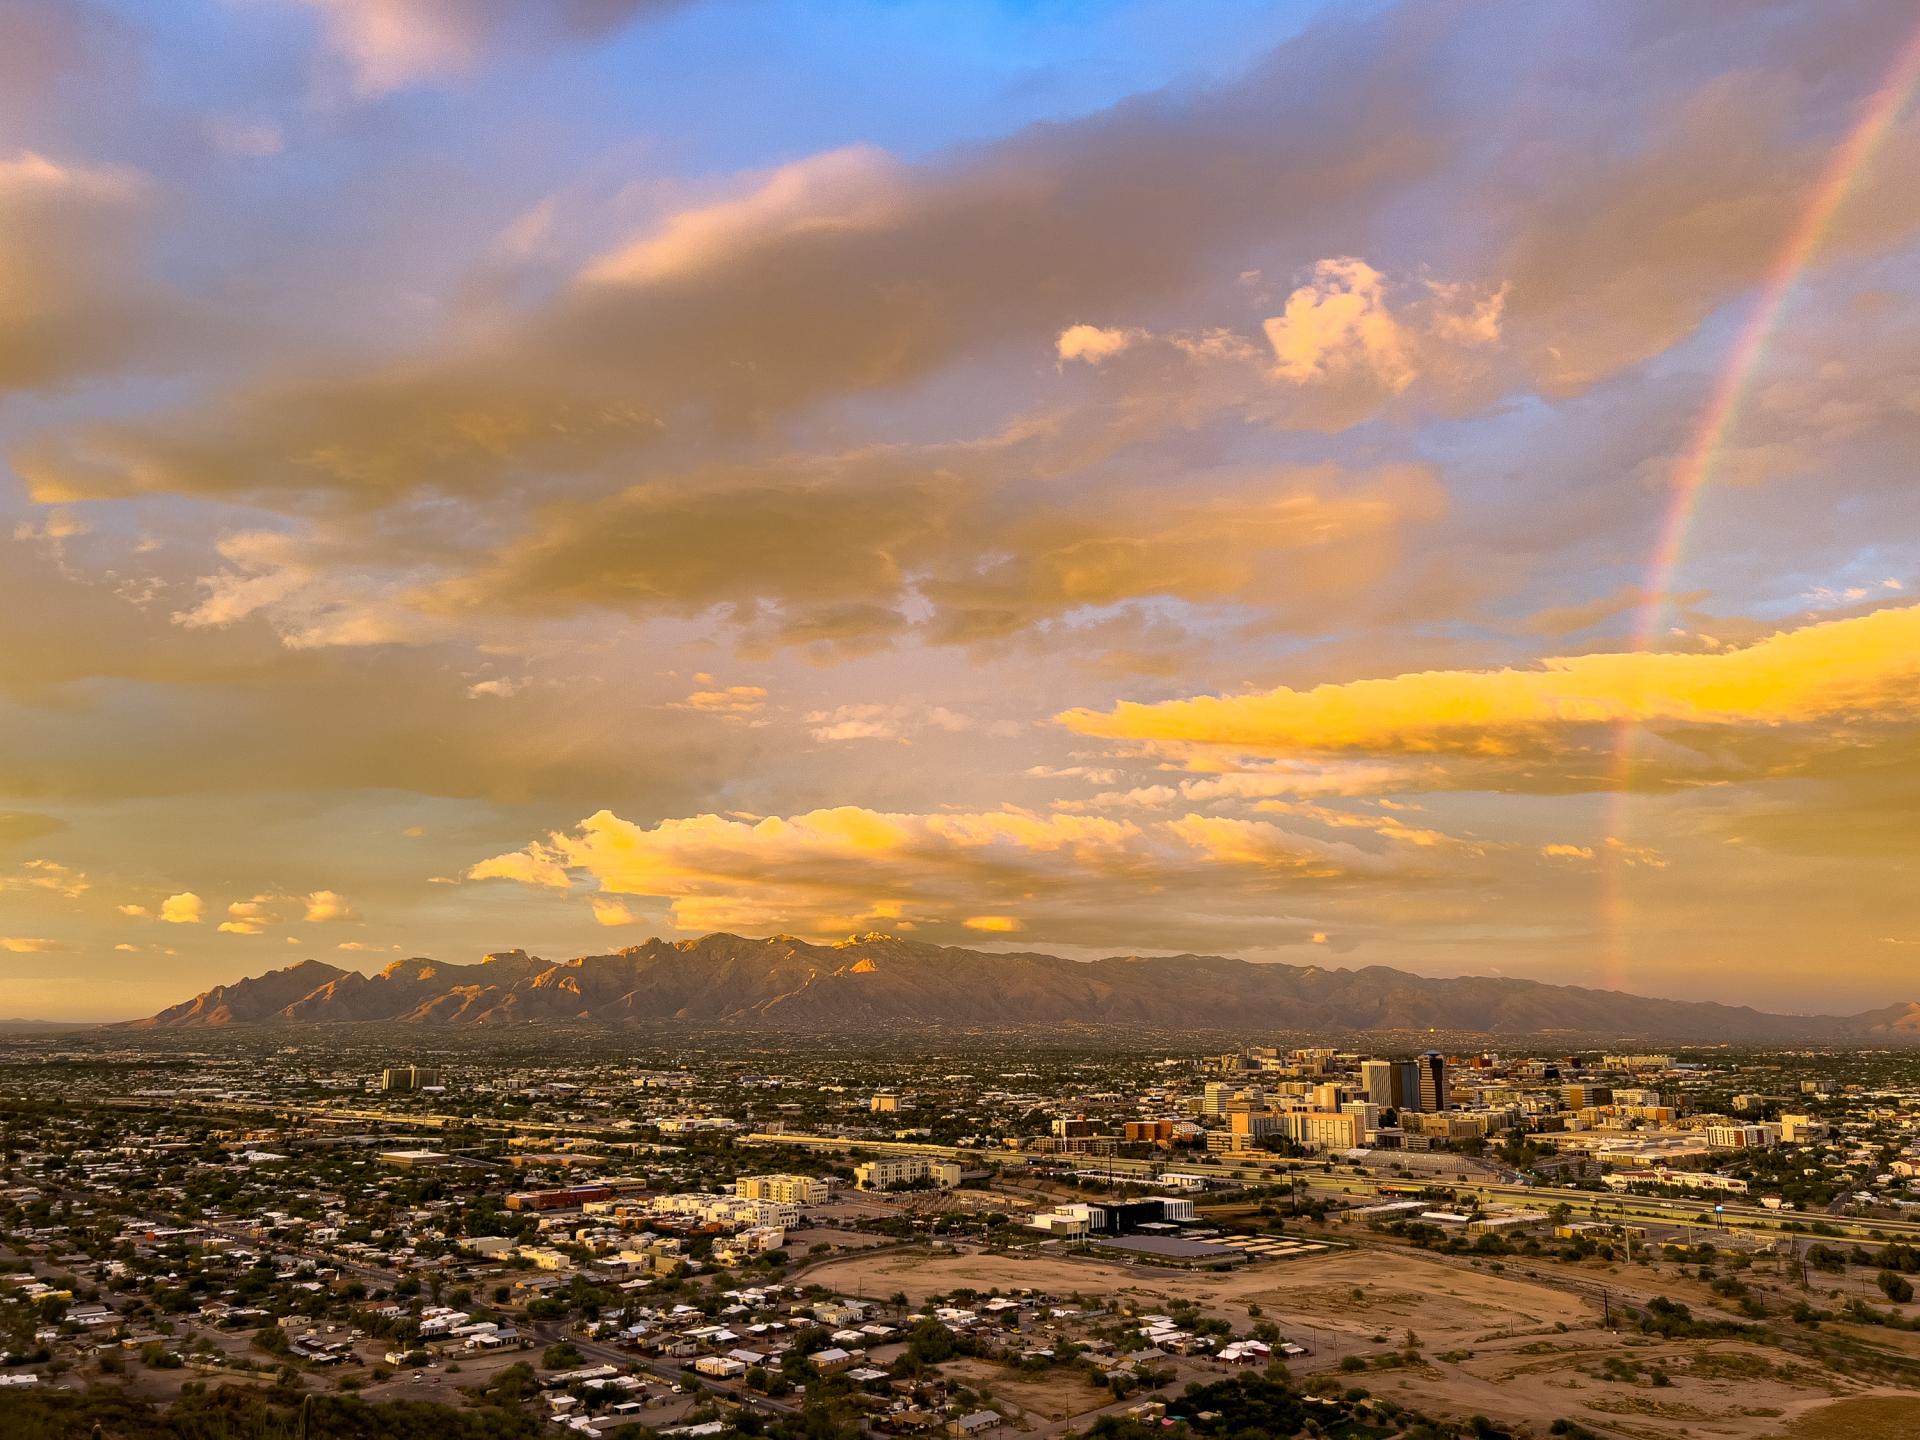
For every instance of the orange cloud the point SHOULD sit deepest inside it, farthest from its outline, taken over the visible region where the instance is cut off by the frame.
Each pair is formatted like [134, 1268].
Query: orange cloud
[50, 876]
[1863, 668]
[1340, 322]
[1091, 343]
[830, 872]
[994, 924]
[185, 908]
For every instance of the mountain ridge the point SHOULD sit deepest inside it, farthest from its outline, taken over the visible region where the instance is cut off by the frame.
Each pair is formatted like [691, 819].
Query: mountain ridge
[781, 982]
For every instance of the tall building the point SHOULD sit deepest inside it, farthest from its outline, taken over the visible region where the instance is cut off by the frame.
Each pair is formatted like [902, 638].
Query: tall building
[1406, 1084]
[1432, 1069]
[411, 1078]
[1376, 1079]
[1219, 1099]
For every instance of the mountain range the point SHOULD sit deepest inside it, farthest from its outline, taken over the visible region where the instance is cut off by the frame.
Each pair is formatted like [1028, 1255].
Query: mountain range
[873, 980]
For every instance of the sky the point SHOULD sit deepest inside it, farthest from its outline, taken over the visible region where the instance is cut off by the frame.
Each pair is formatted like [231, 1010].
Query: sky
[1424, 484]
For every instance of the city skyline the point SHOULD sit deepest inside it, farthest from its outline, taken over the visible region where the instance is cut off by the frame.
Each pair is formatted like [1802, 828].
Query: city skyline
[1402, 484]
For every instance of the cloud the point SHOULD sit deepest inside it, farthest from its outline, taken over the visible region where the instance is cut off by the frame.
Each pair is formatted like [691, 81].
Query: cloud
[71, 242]
[47, 875]
[1619, 251]
[994, 924]
[938, 543]
[1816, 685]
[729, 700]
[1559, 851]
[531, 867]
[1340, 322]
[1628, 853]
[838, 274]
[24, 945]
[185, 908]
[1284, 542]
[835, 871]
[262, 912]
[1091, 343]
[391, 45]
[251, 917]
[1261, 844]
[56, 526]
[611, 912]
[312, 600]
[847, 723]
[323, 906]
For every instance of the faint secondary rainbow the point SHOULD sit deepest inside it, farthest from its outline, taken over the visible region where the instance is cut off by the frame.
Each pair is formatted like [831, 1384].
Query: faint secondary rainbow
[1850, 160]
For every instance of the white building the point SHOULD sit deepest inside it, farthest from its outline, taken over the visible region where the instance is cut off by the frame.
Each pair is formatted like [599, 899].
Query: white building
[783, 1189]
[892, 1171]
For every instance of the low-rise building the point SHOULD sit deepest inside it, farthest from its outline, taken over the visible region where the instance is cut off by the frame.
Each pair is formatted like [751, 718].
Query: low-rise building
[893, 1171]
[783, 1189]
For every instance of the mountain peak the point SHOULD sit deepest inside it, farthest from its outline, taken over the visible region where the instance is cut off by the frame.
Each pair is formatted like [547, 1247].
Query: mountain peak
[880, 979]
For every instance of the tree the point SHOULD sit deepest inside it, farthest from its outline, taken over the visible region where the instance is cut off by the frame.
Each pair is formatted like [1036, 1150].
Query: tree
[1895, 1287]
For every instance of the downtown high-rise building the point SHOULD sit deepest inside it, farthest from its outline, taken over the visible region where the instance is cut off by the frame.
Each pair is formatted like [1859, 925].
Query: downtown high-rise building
[1419, 1084]
[1376, 1082]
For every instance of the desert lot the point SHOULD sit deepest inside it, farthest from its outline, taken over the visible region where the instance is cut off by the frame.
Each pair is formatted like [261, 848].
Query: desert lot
[1495, 1344]
[1348, 1295]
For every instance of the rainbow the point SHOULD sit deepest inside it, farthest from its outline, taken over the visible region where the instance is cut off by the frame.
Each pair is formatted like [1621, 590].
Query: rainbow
[1718, 419]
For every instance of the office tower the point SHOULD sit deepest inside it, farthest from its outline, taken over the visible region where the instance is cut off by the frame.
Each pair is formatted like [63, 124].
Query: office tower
[1406, 1084]
[1376, 1080]
[1432, 1069]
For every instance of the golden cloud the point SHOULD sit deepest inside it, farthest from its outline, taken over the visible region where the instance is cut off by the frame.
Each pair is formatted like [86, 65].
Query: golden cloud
[1860, 670]
[47, 875]
[327, 905]
[185, 908]
[835, 871]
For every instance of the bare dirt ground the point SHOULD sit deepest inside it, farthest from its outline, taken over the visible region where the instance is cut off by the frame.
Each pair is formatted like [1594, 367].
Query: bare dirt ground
[1726, 1391]
[1507, 1345]
[1443, 1305]
[1879, 1417]
[799, 1242]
